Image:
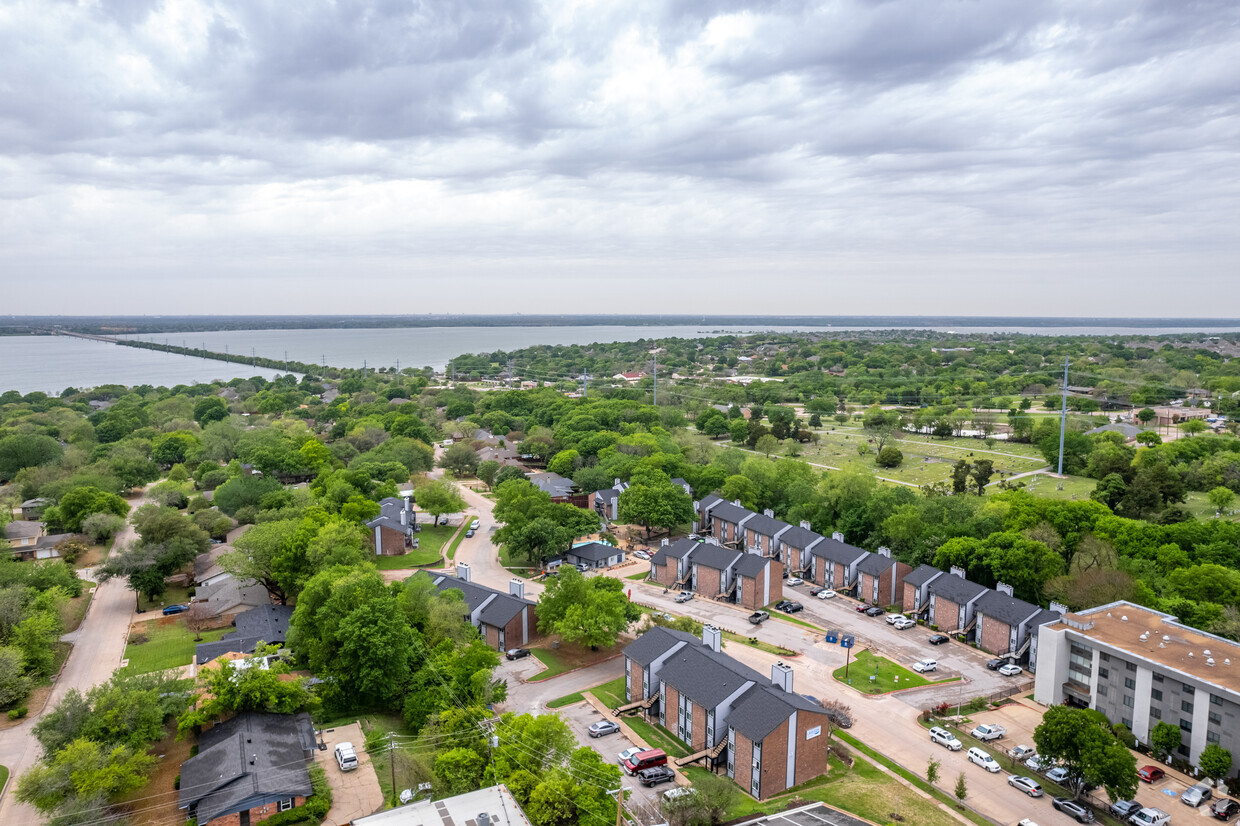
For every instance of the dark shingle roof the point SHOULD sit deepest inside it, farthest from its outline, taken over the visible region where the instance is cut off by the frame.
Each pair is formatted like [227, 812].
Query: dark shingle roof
[766, 525]
[729, 512]
[654, 643]
[676, 550]
[498, 612]
[763, 708]
[751, 565]
[1044, 616]
[705, 677]
[265, 623]
[595, 551]
[552, 483]
[875, 564]
[799, 538]
[714, 556]
[220, 779]
[922, 574]
[707, 501]
[836, 551]
[1009, 610]
[957, 589]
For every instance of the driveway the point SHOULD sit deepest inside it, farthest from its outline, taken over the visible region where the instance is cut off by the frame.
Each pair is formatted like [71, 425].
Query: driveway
[98, 645]
[356, 793]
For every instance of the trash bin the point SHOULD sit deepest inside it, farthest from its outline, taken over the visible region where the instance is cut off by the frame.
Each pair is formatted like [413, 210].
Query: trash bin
[555, 643]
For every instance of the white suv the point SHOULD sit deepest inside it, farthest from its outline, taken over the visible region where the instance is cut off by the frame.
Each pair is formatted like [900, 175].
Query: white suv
[922, 666]
[983, 759]
[346, 757]
[944, 738]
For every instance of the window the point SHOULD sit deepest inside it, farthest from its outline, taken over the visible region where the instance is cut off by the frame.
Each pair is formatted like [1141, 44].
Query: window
[286, 804]
[1185, 725]
[1103, 673]
[1216, 700]
[1211, 736]
[1216, 718]
[1156, 714]
[1155, 694]
[1102, 691]
[1127, 723]
[1186, 707]
[1186, 689]
[1106, 658]
[1129, 682]
[1128, 701]
[1131, 666]
[1158, 678]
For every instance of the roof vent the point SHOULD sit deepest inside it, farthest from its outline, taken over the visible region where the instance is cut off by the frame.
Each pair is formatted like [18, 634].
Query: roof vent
[1166, 638]
[1190, 655]
[1124, 618]
[1162, 645]
[1227, 661]
[1210, 661]
[1108, 614]
[1145, 636]
[1206, 652]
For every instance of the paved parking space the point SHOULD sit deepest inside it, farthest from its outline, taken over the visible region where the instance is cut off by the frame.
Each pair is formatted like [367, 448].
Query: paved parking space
[813, 816]
[356, 793]
[579, 718]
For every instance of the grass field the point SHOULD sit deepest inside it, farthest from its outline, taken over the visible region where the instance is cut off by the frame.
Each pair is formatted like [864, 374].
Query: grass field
[173, 595]
[1074, 487]
[640, 576]
[169, 645]
[76, 610]
[566, 700]
[611, 693]
[889, 675]
[431, 540]
[656, 737]
[4, 776]
[456, 542]
[759, 644]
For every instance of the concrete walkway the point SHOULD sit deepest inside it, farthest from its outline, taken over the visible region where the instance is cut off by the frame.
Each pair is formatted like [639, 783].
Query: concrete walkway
[354, 794]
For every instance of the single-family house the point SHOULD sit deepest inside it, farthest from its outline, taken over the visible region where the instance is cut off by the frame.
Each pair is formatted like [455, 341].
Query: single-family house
[879, 578]
[248, 768]
[207, 570]
[395, 527]
[227, 597]
[505, 620]
[264, 623]
[670, 565]
[32, 509]
[952, 602]
[27, 541]
[916, 597]
[594, 555]
[833, 562]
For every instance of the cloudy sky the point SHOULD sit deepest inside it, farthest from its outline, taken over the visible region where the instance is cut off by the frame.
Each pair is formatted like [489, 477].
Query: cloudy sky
[1009, 157]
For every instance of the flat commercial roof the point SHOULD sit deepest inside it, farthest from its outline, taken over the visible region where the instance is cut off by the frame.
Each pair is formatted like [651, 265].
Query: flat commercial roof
[463, 810]
[1183, 649]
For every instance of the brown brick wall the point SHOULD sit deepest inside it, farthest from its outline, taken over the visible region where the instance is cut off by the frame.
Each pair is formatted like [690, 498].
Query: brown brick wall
[897, 580]
[393, 541]
[699, 727]
[257, 815]
[742, 762]
[774, 762]
[909, 598]
[512, 631]
[491, 634]
[635, 682]
[946, 614]
[840, 574]
[671, 702]
[707, 581]
[866, 593]
[665, 575]
[811, 754]
[995, 636]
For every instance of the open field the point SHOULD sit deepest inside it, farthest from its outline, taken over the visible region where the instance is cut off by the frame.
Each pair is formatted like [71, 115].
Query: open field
[173, 595]
[888, 676]
[169, 644]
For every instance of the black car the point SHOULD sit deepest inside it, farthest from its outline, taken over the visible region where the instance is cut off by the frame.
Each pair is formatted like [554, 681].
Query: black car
[939, 639]
[1224, 808]
[655, 775]
[994, 664]
[1077, 811]
[1124, 809]
[874, 611]
[516, 653]
[783, 604]
[839, 718]
[816, 590]
[792, 607]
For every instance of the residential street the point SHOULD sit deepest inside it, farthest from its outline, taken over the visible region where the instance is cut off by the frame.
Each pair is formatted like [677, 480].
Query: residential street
[98, 645]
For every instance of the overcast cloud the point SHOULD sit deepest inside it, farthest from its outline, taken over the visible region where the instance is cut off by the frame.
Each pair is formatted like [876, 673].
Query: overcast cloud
[1007, 157]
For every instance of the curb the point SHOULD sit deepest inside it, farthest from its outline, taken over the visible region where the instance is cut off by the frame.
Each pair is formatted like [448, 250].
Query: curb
[573, 670]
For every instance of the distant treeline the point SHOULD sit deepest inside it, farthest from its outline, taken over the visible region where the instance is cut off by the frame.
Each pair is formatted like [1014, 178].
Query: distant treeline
[122, 325]
[299, 367]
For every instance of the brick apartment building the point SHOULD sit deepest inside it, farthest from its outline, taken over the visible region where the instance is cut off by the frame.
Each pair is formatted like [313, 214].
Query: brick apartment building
[505, 620]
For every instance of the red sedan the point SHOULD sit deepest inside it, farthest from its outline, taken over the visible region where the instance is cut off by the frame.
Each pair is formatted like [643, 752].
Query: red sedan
[1150, 773]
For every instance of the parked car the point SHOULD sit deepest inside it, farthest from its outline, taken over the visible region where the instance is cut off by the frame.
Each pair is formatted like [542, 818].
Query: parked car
[628, 753]
[988, 731]
[838, 717]
[826, 593]
[641, 555]
[816, 590]
[1124, 809]
[994, 664]
[1077, 811]
[655, 776]
[981, 758]
[795, 580]
[517, 653]
[1150, 816]
[346, 757]
[893, 618]
[663, 615]
[861, 608]
[684, 596]
[646, 759]
[1225, 808]
[922, 666]
[1025, 784]
[1021, 753]
[1196, 795]
[939, 639]
[469, 533]
[1058, 775]
[903, 624]
[583, 567]
[678, 792]
[1010, 670]
[175, 609]
[874, 611]
[793, 607]
[944, 738]
[783, 604]
[1150, 774]
[1037, 762]
[603, 728]
[759, 617]
[473, 526]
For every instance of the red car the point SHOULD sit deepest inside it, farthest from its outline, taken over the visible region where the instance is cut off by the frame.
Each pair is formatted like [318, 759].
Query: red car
[1150, 773]
[862, 608]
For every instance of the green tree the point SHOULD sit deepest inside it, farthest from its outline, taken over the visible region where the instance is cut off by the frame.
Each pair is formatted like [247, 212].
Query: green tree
[739, 429]
[1193, 426]
[889, 456]
[79, 503]
[14, 682]
[1082, 741]
[459, 770]
[932, 770]
[210, 409]
[1164, 738]
[564, 463]
[439, 497]
[983, 469]
[1149, 438]
[1220, 499]
[961, 473]
[652, 501]
[460, 459]
[880, 426]
[766, 444]
[1145, 415]
[1214, 761]
[266, 554]
[592, 612]
[487, 471]
[962, 789]
[26, 450]
[534, 527]
[82, 769]
[228, 691]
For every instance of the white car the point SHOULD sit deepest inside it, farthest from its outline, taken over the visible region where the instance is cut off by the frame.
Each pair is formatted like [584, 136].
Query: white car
[641, 555]
[1010, 670]
[683, 596]
[473, 526]
[944, 738]
[796, 580]
[826, 593]
[346, 757]
[678, 792]
[922, 666]
[892, 619]
[903, 624]
[983, 759]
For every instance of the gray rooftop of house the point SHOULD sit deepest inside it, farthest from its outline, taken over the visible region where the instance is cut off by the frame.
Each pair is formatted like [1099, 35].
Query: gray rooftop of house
[676, 550]
[729, 512]
[1008, 610]
[264, 623]
[247, 761]
[20, 529]
[835, 551]
[764, 707]
[595, 551]
[765, 525]
[875, 564]
[654, 643]
[957, 589]
[704, 676]
[714, 556]
[799, 538]
[229, 593]
[552, 483]
[498, 612]
[38, 501]
[709, 501]
[922, 574]
[751, 565]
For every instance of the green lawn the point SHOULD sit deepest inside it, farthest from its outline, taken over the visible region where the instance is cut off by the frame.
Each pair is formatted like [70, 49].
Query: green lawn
[642, 575]
[770, 609]
[173, 595]
[76, 610]
[1074, 487]
[431, 540]
[611, 693]
[889, 675]
[4, 776]
[656, 737]
[566, 700]
[456, 542]
[167, 646]
[759, 644]
[555, 660]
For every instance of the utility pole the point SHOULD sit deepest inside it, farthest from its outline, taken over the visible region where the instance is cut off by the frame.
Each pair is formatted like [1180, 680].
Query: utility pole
[1063, 419]
[391, 750]
[619, 793]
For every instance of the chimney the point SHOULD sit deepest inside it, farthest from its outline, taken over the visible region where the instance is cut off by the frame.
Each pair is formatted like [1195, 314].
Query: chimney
[737, 502]
[805, 524]
[462, 571]
[769, 512]
[837, 536]
[1059, 608]
[665, 541]
[711, 540]
[957, 571]
[1003, 588]
[516, 587]
[617, 482]
[404, 517]
[712, 636]
[884, 551]
[781, 676]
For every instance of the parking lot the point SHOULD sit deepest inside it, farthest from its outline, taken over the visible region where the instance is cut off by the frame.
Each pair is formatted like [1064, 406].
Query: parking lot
[579, 718]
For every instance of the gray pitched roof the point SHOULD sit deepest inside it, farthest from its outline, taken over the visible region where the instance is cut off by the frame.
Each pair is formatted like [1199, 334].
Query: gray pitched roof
[875, 564]
[552, 483]
[706, 502]
[751, 565]
[1009, 610]
[654, 644]
[229, 593]
[595, 551]
[1045, 616]
[20, 529]
[957, 589]
[729, 512]
[764, 707]
[498, 612]
[922, 574]
[835, 551]
[714, 556]
[766, 525]
[265, 623]
[221, 780]
[705, 677]
[799, 538]
[676, 550]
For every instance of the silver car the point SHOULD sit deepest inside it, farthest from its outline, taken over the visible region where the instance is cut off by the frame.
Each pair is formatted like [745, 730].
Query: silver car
[1025, 784]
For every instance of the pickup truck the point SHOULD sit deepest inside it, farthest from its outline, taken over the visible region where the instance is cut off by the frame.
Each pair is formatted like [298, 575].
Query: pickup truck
[1150, 817]
[759, 617]
[988, 732]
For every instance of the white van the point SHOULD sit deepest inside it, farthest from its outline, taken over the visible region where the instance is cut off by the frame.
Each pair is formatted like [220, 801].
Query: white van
[983, 759]
[346, 757]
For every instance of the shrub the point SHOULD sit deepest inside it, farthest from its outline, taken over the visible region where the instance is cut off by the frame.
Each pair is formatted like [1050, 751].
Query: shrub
[17, 713]
[889, 456]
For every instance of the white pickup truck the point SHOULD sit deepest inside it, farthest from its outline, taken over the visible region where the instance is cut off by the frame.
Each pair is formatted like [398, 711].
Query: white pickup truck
[988, 731]
[1150, 817]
